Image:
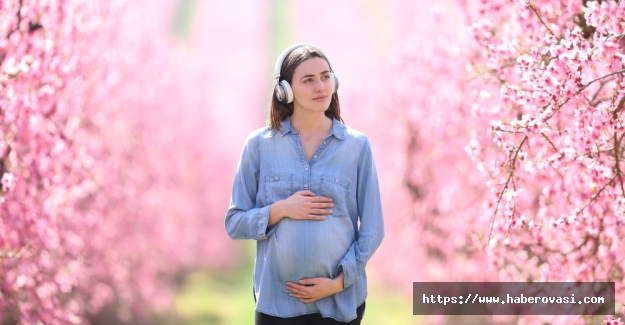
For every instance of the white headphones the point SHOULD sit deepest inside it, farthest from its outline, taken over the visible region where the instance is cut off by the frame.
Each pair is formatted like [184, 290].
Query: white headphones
[283, 91]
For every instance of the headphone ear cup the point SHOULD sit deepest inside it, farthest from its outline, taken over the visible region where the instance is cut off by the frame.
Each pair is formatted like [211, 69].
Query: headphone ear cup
[280, 93]
[284, 92]
[336, 82]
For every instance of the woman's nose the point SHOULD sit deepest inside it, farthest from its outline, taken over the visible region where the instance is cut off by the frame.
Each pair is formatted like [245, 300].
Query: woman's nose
[319, 85]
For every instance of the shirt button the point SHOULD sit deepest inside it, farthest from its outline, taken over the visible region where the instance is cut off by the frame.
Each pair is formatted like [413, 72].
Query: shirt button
[337, 180]
[324, 142]
[306, 168]
[315, 156]
[276, 178]
[305, 185]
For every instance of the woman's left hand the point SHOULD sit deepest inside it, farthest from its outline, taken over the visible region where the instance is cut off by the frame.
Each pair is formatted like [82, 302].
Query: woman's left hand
[312, 289]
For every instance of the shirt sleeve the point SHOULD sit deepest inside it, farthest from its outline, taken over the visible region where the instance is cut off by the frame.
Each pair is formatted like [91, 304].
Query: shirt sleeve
[243, 219]
[371, 230]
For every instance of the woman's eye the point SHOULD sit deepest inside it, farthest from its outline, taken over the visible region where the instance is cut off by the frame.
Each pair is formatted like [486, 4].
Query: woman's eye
[326, 77]
[308, 80]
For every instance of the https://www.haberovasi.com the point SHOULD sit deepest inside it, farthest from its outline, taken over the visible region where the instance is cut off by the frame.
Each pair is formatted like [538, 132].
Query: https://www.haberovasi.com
[510, 299]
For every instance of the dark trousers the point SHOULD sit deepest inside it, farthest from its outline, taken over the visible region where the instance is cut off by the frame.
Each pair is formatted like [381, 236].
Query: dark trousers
[308, 319]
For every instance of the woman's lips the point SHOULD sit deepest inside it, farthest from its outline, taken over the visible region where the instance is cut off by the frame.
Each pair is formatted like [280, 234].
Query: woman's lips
[320, 99]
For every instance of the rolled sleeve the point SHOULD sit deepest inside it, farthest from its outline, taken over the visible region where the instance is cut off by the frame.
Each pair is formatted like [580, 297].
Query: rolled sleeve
[244, 220]
[371, 230]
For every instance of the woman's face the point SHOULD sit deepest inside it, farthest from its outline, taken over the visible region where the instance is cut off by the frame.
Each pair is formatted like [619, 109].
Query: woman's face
[312, 85]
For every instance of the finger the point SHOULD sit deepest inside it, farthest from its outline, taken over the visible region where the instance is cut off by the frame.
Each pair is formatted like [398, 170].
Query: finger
[321, 205]
[315, 217]
[321, 199]
[294, 290]
[320, 211]
[297, 288]
[308, 282]
[306, 193]
[300, 294]
[308, 300]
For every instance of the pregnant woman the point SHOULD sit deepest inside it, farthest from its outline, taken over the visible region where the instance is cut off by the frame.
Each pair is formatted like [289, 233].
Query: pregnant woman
[302, 185]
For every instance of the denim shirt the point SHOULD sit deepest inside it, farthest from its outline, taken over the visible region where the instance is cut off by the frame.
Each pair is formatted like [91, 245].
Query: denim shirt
[272, 168]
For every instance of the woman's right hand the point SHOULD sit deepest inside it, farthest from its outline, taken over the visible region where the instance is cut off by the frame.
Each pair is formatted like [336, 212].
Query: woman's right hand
[303, 205]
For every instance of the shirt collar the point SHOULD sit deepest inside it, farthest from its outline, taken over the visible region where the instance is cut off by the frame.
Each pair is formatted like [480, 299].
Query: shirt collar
[338, 129]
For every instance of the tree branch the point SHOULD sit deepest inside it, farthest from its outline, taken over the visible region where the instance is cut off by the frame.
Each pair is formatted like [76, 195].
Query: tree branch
[551, 143]
[19, 19]
[533, 6]
[596, 195]
[592, 81]
[617, 163]
[618, 108]
[594, 97]
[492, 218]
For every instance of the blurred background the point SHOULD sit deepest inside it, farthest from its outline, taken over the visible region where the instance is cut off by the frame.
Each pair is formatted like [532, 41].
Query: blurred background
[122, 123]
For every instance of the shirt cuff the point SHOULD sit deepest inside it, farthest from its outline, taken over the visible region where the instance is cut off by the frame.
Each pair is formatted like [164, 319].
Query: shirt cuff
[262, 231]
[350, 271]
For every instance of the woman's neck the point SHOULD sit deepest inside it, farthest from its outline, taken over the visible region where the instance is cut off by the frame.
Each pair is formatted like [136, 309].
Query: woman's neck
[310, 124]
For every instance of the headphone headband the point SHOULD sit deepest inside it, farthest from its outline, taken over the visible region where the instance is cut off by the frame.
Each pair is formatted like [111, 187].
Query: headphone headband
[285, 53]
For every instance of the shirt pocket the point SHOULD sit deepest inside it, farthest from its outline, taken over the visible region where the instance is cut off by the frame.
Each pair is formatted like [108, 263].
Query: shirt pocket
[278, 186]
[337, 189]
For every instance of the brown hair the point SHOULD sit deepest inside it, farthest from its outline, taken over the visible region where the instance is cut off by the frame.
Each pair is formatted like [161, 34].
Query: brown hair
[279, 111]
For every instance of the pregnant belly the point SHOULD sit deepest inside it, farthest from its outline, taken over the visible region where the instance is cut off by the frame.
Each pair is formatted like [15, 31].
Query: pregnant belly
[309, 248]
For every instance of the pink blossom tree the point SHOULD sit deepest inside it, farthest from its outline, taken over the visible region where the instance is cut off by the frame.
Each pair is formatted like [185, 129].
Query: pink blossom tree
[536, 103]
[554, 73]
[102, 160]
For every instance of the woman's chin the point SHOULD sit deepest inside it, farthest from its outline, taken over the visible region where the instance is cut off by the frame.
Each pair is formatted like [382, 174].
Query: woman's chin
[321, 107]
